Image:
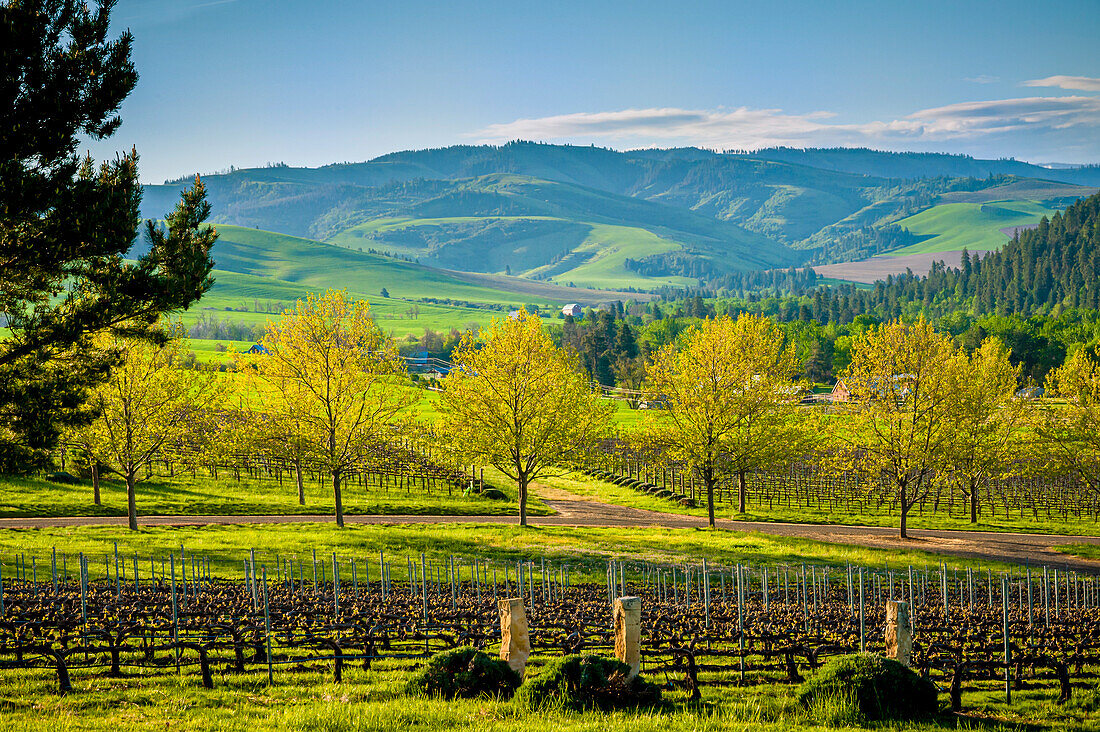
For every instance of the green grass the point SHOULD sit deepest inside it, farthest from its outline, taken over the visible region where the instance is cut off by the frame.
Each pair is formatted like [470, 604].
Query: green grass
[305, 698]
[612, 245]
[975, 226]
[318, 265]
[585, 549]
[1085, 551]
[184, 495]
[609, 246]
[254, 300]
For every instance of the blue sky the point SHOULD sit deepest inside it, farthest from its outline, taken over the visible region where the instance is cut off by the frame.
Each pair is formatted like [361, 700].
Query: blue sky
[244, 82]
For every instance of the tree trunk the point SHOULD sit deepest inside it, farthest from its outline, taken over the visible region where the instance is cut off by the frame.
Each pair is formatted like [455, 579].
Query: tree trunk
[522, 484]
[338, 498]
[95, 483]
[904, 509]
[742, 489]
[708, 478]
[973, 504]
[301, 484]
[131, 498]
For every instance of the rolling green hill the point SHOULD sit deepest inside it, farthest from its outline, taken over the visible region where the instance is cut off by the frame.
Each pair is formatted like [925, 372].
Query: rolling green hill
[974, 226]
[252, 300]
[317, 266]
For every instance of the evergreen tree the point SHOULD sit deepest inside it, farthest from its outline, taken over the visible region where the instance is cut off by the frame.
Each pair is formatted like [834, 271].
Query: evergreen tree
[66, 225]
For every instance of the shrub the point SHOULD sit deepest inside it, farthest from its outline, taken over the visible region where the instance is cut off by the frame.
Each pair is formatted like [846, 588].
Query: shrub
[587, 682]
[493, 494]
[464, 672]
[878, 688]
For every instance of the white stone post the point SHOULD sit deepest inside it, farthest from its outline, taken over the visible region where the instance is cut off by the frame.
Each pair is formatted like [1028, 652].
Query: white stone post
[899, 632]
[628, 632]
[515, 644]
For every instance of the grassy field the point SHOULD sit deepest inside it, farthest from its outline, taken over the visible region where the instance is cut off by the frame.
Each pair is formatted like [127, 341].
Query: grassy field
[975, 226]
[1085, 551]
[305, 698]
[317, 265]
[611, 246]
[184, 495]
[624, 496]
[600, 266]
[585, 549]
[252, 301]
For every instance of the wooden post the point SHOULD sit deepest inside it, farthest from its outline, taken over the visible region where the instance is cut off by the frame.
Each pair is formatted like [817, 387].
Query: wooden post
[267, 633]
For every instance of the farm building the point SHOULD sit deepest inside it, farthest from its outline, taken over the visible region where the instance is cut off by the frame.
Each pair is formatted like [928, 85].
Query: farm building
[572, 309]
[840, 392]
[258, 348]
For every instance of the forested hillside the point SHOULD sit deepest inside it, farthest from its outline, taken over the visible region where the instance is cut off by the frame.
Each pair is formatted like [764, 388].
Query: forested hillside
[1054, 265]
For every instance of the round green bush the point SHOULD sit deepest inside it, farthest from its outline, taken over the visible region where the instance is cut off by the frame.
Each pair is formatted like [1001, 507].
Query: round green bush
[464, 672]
[879, 688]
[587, 682]
[493, 494]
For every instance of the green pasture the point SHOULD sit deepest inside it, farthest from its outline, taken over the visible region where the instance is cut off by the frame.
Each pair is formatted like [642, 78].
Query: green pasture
[202, 494]
[253, 301]
[358, 236]
[609, 246]
[975, 226]
[321, 266]
[612, 245]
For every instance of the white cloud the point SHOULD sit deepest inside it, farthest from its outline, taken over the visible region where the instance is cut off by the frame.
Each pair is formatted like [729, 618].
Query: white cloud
[754, 128]
[1078, 83]
[982, 79]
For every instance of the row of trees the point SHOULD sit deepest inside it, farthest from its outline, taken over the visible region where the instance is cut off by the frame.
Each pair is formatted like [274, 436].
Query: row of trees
[328, 386]
[920, 410]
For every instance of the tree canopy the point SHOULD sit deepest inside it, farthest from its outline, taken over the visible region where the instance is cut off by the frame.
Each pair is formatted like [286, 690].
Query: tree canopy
[66, 224]
[730, 393]
[516, 402]
[328, 379]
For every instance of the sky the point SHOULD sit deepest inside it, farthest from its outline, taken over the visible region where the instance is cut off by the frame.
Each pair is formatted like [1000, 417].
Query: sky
[311, 82]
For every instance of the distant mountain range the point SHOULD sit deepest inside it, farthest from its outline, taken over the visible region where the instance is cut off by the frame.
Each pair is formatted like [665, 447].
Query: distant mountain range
[596, 217]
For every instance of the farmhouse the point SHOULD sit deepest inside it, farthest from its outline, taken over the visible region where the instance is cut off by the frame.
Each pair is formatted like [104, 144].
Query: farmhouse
[572, 309]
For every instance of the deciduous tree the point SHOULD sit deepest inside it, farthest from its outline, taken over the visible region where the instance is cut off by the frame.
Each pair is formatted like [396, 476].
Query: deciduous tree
[1071, 430]
[148, 402]
[328, 374]
[731, 400]
[516, 402]
[984, 420]
[900, 380]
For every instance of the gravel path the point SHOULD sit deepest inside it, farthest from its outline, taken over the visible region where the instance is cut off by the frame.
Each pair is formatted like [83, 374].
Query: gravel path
[1036, 549]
